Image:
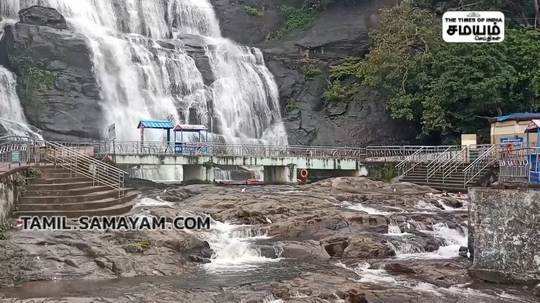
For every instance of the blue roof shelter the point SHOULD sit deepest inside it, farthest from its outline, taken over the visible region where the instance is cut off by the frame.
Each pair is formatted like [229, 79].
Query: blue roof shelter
[156, 124]
[200, 146]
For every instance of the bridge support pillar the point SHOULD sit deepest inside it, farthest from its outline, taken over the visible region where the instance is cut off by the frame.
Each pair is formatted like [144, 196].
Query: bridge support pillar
[280, 174]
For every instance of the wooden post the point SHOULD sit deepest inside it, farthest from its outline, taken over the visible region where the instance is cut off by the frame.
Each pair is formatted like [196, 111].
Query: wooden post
[142, 137]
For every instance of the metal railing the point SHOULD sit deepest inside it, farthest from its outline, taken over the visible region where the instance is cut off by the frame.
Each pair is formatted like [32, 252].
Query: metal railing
[80, 163]
[220, 149]
[486, 158]
[410, 162]
[515, 166]
[440, 160]
[77, 159]
[453, 164]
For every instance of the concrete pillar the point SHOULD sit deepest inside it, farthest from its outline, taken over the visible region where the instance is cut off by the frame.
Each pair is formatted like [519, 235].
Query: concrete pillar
[280, 174]
[210, 174]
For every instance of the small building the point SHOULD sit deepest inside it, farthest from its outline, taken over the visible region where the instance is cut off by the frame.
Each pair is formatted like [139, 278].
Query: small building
[510, 129]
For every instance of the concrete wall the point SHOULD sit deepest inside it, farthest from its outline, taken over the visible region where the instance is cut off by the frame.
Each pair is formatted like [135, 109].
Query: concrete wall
[178, 168]
[9, 192]
[504, 227]
[300, 162]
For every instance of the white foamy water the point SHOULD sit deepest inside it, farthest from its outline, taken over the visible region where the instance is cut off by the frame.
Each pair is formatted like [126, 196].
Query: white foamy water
[366, 209]
[139, 78]
[12, 117]
[453, 240]
[234, 248]
[394, 229]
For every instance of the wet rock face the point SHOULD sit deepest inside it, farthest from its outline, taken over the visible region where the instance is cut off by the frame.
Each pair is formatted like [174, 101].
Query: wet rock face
[56, 84]
[43, 16]
[300, 63]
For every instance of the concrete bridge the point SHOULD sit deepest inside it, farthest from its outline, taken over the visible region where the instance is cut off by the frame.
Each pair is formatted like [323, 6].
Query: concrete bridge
[443, 167]
[206, 162]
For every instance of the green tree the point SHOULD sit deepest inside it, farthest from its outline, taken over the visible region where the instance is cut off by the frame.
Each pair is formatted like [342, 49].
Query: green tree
[444, 88]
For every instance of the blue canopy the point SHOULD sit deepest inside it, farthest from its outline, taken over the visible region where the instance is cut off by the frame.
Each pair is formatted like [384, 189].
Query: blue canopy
[158, 124]
[518, 117]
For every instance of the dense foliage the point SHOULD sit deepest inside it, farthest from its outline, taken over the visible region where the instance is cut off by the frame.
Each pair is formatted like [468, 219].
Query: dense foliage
[444, 88]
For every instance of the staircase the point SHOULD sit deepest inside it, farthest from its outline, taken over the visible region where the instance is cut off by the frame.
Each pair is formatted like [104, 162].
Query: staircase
[453, 169]
[71, 182]
[60, 192]
[452, 182]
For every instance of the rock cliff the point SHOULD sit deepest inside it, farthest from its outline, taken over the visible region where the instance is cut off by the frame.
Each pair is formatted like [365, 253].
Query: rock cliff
[300, 61]
[55, 79]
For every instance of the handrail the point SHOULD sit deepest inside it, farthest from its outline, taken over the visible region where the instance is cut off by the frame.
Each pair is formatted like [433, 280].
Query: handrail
[98, 171]
[434, 164]
[408, 163]
[476, 167]
[454, 163]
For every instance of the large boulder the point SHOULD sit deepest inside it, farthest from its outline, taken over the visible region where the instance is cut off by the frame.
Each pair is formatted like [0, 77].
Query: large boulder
[55, 80]
[42, 16]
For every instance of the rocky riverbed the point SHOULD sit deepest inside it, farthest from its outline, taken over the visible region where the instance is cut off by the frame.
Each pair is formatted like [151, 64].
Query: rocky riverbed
[338, 240]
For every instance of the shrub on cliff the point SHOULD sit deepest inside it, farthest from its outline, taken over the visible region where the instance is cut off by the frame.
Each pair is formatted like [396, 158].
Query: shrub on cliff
[445, 88]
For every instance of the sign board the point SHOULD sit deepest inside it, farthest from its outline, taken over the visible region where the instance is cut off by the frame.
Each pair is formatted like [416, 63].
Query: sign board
[473, 27]
[516, 141]
[111, 132]
[15, 156]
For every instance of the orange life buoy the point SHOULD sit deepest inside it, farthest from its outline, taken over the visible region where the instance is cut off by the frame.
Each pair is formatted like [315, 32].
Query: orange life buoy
[304, 174]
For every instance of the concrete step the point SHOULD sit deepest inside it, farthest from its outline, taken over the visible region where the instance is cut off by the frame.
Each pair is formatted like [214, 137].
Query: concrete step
[67, 192]
[115, 210]
[436, 178]
[91, 205]
[444, 186]
[52, 169]
[59, 180]
[71, 199]
[59, 186]
[56, 175]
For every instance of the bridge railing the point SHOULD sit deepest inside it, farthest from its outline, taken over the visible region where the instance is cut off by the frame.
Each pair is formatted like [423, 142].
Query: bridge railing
[220, 149]
[77, 158]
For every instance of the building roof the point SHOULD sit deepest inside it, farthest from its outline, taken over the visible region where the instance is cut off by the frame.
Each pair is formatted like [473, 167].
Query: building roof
[159, 124]
[533, 126]
[518, 117]
[189, 127]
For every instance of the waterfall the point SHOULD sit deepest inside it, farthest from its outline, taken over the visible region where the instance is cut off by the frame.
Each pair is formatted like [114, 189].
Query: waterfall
[146, 71]
[12, 119]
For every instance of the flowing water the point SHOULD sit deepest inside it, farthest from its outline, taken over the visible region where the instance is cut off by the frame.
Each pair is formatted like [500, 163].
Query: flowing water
[141, 79]
[234, 248]
[12, 119]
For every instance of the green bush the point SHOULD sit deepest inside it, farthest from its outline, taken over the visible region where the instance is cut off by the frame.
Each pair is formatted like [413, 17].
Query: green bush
[292, 105]
[339, 92]
[311, 71]
[295, 19]
[253, 11]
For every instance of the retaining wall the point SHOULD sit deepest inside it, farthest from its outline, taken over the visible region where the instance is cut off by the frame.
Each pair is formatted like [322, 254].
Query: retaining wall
[504, 239]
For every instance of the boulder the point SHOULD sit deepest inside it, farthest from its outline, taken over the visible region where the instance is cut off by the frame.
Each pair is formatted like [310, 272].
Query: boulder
[56, 84]
[42, 16]
[366, 247]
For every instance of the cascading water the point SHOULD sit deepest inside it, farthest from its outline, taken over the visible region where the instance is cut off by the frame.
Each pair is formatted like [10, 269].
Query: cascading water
[233, 247]
[140, 78]
[12, 119]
